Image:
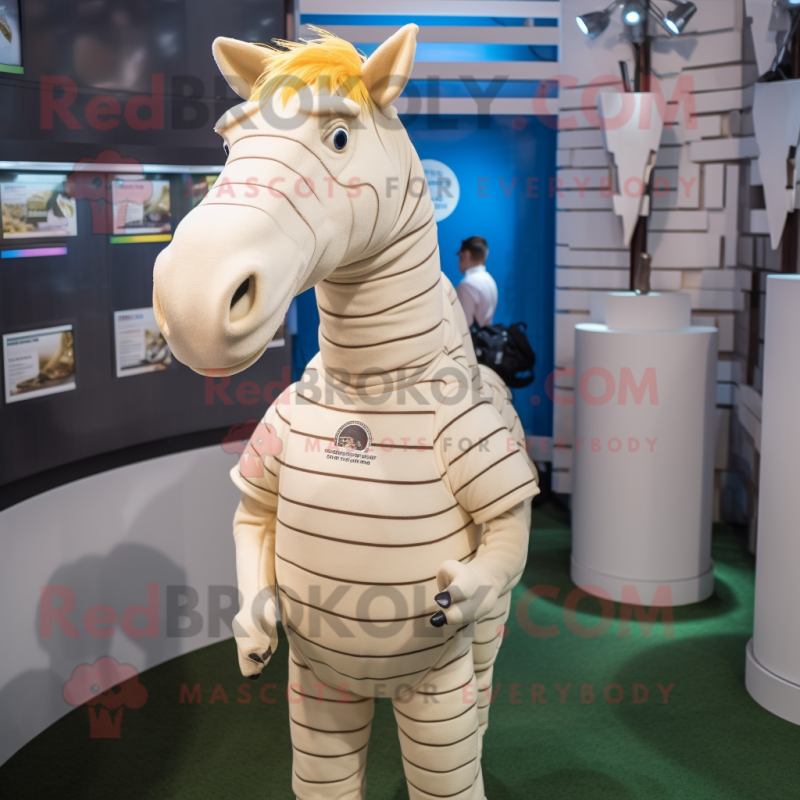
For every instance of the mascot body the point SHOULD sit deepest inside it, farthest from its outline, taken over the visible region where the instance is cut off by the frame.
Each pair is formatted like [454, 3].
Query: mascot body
[386, 496]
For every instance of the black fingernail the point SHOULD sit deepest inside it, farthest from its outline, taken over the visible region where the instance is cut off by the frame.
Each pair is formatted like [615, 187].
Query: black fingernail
[443, 599]
[253, 677]
[267, 653]
[438, 619]
[255, 657]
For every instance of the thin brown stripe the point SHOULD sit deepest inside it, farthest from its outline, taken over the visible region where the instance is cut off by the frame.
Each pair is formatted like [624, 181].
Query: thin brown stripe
[283, 419]
[273, 189]
[365, 583]
[485, 470]
[505, 494]
[455, 419]
[359, 655]
[322, 163]
[322, 730]
[382, 446]
[431, 694]
[460, 791]
[330, 699]
[317, 755]
[337, 780]
[356, 477]
[378, 344]
[352, 410]
[354, 619]
[373, 544]
[394, 274]
[490, 619]
[368, 678]
[255, 485]
[397, 369]
[439, 771]
[457, 658]
[363, 514]
[383, 310]
[448, 744]
[488, 435]
[431, 721]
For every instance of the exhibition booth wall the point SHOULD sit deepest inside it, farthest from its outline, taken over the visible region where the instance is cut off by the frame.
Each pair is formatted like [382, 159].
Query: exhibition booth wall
[108, 143]
[709, 229]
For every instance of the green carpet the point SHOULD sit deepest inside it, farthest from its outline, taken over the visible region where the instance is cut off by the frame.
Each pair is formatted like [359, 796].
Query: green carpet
[710, 740]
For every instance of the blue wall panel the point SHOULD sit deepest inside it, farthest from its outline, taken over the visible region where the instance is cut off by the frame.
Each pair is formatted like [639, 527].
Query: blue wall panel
[504, 166]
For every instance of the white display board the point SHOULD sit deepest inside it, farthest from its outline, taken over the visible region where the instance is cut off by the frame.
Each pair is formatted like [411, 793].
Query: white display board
[38, 363]
[139, 345]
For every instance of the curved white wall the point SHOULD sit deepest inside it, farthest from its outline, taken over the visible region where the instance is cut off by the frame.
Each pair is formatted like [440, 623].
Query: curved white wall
[105, 538]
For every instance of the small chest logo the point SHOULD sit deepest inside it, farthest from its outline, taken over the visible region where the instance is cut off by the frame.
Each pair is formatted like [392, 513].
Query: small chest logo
[352, 444]
[353, 435]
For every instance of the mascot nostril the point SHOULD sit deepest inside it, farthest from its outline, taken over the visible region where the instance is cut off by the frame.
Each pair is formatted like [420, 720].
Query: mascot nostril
[242, 300]
[240, 292]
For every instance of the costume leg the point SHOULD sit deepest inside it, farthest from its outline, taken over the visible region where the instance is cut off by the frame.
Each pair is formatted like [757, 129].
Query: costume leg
[487, 643]
[439, 736]
[330, 732]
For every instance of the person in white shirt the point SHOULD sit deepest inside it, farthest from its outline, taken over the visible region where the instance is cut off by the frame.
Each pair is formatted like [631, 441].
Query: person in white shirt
[477, 291]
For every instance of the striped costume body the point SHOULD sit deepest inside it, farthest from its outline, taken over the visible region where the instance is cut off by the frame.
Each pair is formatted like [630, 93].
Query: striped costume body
[386, 496]
[363, 527]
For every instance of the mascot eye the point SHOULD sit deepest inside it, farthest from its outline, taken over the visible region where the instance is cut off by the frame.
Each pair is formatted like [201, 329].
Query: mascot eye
[340, 138]
[226, 149]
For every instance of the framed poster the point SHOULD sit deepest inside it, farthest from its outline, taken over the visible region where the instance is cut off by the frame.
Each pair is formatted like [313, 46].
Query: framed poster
[140, 205]
[10, 37]
[37, 363]
[37, 206]
[138, 343]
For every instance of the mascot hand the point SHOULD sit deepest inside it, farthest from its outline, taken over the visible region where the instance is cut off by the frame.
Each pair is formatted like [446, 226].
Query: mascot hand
[256, 631]
[466, 594]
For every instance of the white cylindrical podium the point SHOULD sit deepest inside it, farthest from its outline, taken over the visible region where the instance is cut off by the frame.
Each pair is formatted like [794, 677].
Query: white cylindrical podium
[643, 455]
[773, 654]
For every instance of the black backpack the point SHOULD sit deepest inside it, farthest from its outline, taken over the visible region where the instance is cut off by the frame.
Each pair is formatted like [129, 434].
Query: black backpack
[507, 351]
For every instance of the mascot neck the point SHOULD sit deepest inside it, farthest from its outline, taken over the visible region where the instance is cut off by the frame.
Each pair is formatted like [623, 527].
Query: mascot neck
[382, 315]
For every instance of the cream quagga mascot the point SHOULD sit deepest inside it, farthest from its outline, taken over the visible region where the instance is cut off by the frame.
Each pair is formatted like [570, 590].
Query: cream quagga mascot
[386, 501]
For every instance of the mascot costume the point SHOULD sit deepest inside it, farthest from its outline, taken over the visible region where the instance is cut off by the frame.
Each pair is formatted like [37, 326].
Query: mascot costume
[386, 495]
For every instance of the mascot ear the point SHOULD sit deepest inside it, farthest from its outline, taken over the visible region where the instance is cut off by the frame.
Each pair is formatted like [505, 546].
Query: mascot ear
[386, 72]
[240, 63]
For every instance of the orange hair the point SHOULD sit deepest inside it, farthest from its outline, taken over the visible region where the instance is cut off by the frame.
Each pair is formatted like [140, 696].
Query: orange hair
[327, 61]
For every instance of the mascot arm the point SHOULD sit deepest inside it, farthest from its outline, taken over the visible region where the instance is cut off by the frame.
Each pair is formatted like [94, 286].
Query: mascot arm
[257, 475]
[255, 626]
[473, 588]
[492, 479]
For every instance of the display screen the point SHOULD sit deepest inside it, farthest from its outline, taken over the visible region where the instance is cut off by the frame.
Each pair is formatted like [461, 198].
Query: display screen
[38, 206]
[37, 363]
[139, 344]
[140, 205]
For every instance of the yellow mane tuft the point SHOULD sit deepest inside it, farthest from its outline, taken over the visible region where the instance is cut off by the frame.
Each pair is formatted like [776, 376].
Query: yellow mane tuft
[324, 62]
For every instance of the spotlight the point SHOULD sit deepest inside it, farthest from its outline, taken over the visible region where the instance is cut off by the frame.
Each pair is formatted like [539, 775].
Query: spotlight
[789, 3]
[676, 20]
[633, 12]
[593, 24]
